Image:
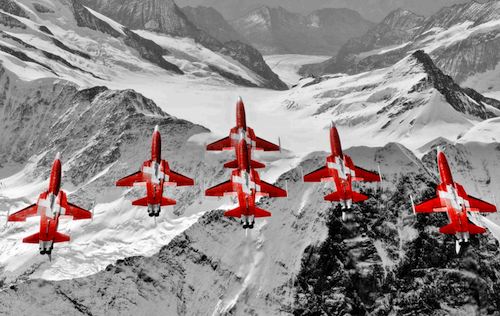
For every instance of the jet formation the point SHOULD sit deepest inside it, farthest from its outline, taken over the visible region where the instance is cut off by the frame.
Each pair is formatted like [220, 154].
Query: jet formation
[247, 186]
[245, 181]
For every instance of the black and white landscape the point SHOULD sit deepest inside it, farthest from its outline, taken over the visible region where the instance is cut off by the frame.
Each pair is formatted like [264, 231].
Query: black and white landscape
[91, 79]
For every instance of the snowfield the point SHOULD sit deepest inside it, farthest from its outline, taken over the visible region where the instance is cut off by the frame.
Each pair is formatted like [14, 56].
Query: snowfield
[371, 110]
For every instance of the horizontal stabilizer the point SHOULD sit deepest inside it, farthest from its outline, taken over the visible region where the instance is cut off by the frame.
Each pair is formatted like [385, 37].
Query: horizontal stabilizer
[61, 237]
[254, 164]
[448, 229]
[358, 197]
[333, 197]
[33, 239]
[473, 229]
[141, 202]
[236, 212]
[166, 201]
[261, 213]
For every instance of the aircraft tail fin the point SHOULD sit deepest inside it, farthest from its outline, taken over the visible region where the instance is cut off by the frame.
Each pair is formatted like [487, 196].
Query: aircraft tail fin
[141, 202]
[58, 237]
[33, 239]
[358, 197]
[166, 201]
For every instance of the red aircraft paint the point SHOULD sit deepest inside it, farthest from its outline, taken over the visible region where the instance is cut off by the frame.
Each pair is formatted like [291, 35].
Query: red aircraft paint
[51, 205]
[155, 174]
[246, 184]
[242, 131]
[341, 170]
[452, 199]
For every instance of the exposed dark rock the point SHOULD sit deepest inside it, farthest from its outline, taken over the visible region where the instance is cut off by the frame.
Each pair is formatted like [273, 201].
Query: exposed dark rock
[40, 8]
[66, 48]
[397, 28]
[147, 49]
[45, 29]
[405, 33]
[10, 21]
[275, 30]
[210, 20]
[12, 7]
[453, 93]
[166, 17]
[345, 275]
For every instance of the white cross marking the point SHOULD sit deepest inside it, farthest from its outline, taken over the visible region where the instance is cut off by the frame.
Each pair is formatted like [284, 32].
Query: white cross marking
[242, 134]
[342, 169]
[246, 183]
[156, 173]
[51, 206]
[451, 195]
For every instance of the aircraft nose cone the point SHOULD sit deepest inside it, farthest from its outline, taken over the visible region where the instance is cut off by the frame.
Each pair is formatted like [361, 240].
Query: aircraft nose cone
[58, 156]
[156, 128]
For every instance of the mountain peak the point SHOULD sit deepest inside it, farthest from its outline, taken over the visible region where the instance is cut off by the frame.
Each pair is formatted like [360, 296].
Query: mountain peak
[467, 101]
[402, 18]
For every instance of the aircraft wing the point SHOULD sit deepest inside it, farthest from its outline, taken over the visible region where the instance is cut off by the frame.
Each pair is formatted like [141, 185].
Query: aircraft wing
[76, 212]
[129, 181]
[430, 206]
[20, 216]
[265, 145]
[221, 144]
[272, 190]
[317, 175]
[220, 189]
[179, 179]
[477, 205]
[361, 174]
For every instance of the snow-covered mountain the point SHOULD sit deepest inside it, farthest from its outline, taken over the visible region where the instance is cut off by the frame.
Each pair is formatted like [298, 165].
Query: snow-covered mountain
[374, 10]
[285, 264]
[412, 102]
[165, 17]
[57, 60]
[212, 22]
[89, 45]
[462, 39]
[278, 31]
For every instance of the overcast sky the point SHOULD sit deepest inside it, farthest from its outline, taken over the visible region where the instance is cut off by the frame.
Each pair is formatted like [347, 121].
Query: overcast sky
[374, 10]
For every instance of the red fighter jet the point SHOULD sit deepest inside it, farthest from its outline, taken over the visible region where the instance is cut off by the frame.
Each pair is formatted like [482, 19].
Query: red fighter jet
[242, 131]
[155, 173]
[342, 172]
[452, 199]
[247, 185]
[51, 205]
